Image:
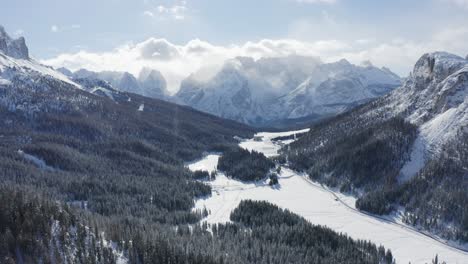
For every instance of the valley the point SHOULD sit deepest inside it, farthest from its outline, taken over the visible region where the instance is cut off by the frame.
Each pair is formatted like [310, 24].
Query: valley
[109, 162]
[320, 205]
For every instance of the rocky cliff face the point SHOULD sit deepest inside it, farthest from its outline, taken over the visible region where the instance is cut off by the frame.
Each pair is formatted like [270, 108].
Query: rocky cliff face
[15, 48]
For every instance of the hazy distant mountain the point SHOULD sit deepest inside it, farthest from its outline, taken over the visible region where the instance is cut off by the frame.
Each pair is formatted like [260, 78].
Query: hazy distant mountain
[263, 91]
[149, 83]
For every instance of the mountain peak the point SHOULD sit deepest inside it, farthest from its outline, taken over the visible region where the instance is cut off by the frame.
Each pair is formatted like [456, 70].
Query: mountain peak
[15, 48]
[149, 73]
[367, 63]
[438, 65]
[152, 82]
[343, 62]
[65, 71]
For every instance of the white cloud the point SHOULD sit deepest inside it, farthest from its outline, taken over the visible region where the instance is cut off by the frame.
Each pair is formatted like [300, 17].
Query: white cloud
[365, 41]
[462, 3]
[148, 13]
[54, 28]
[177, 11]
[316, 1]
[176, 62]
[18, 32]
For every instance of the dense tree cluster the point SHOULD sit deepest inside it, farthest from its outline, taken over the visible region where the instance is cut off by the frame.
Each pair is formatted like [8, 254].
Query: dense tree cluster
[245, 165]
[201, 175]
[37, 230]
[295, 240]
[363, 156]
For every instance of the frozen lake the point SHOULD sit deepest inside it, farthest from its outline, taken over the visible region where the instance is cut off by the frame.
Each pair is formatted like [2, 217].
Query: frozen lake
[319, 206]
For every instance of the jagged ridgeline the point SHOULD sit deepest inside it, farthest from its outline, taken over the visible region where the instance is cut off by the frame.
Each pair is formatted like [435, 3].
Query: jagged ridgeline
[285, 91]
[406, 149]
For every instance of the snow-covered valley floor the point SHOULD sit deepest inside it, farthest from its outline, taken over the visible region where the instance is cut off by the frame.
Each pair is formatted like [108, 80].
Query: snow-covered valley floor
[320, 206]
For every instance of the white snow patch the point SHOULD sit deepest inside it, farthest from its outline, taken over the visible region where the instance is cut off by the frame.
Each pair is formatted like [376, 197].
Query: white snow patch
[106, 92]
[141, 108]
[266, 145]
[208, 163]
[445, 126]
[417, 160]
[4, 81]
[79, 204]
[36, 160]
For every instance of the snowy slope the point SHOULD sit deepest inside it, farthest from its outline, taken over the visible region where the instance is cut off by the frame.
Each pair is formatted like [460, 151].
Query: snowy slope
[11, 67]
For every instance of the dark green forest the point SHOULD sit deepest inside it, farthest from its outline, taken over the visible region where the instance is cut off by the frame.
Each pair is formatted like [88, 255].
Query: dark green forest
[244, 165]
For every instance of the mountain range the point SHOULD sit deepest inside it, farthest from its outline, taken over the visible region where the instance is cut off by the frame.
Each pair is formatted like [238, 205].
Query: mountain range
[149, 83]
[274, 92]
[267, 91]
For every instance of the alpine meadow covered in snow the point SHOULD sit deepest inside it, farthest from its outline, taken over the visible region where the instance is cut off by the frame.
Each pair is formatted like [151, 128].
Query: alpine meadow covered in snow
[279, 131]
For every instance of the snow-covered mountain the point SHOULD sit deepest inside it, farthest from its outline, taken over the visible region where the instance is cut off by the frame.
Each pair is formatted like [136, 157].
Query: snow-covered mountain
[149, 83]
[336, 87]
[266, 90]
[19, 71]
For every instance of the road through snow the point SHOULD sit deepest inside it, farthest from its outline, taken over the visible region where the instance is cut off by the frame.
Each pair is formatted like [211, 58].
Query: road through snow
[320, 206]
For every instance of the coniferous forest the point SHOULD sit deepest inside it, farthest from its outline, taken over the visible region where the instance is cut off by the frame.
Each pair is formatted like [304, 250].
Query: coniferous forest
[35, 229]
[245, 165]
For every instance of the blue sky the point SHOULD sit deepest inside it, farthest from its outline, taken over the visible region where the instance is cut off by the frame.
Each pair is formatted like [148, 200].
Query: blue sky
[355, 29]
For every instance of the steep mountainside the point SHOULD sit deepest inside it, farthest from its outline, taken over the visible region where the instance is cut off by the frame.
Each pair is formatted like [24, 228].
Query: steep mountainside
[406, 148]
[267, 90]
